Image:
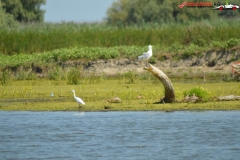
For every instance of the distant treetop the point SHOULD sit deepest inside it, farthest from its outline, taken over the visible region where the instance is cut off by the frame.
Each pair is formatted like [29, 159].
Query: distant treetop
[125, 12]
[24, 10]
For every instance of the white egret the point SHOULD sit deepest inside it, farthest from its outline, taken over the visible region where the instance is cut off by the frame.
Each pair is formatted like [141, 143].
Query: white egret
[79, 100]
[146, 55]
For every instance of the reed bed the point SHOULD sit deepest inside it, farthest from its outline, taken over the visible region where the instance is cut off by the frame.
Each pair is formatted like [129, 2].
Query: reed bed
[40, 38]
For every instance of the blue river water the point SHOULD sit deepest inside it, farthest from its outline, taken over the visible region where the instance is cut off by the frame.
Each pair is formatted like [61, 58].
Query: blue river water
[120, 135]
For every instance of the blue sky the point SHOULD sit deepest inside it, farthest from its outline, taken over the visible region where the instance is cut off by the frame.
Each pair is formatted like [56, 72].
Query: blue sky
[76, 10]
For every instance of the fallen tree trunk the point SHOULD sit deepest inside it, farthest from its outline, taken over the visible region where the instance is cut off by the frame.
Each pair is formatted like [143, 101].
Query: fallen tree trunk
[228, 98]
[166, 82]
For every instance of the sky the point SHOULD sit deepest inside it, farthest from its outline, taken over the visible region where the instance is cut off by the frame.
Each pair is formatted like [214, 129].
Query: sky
[76, 10]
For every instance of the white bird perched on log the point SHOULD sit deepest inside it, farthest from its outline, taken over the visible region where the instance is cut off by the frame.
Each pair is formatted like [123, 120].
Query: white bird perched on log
[79, 100]
[147, 55]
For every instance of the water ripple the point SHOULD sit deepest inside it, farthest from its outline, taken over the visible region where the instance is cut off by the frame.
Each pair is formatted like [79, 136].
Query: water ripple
[120, 135]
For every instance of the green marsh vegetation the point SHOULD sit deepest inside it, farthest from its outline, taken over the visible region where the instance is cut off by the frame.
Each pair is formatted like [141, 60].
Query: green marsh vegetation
[56, 43]
[42, 44]
[35, 95]
[38, 38]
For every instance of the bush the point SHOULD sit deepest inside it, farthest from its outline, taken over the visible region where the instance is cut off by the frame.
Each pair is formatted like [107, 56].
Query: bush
[190, 51]
[73, 76]
[199, 92]
[7, 20]
[55, 74]
[129, 77]
[5, 77]
[232, 42]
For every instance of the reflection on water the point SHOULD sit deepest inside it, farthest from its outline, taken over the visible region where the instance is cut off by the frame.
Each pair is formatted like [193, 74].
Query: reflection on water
[120, 135]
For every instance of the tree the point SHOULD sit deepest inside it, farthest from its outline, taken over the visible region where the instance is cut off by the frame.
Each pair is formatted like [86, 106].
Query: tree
[134, 11]
[119, 12]
[25, 10]
[145, 11]
[6, 20]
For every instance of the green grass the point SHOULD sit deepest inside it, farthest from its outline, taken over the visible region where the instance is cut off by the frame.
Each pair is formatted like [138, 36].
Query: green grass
[39, 38]
[64, 54]
[95, 53]
[34, 95]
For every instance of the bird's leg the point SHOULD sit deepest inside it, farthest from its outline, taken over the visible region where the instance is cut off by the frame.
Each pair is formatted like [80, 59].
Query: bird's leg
[79, 107]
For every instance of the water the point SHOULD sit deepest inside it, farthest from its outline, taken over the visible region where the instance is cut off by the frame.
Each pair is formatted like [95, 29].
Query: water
[120, 135]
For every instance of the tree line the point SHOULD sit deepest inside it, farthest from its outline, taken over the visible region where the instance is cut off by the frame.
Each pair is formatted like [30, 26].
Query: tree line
[122, 12]
[125, 12]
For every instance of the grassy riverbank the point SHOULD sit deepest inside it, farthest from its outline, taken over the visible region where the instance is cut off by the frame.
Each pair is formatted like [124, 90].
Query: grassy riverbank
[35, 96]
[94, 53]
[38, 48]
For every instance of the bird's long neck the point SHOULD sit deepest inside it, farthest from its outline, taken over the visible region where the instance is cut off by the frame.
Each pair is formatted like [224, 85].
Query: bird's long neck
[74, 94]
[150, 51]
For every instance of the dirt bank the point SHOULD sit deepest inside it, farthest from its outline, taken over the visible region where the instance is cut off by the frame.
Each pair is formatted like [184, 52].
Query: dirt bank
[213, 63]
[209, 62]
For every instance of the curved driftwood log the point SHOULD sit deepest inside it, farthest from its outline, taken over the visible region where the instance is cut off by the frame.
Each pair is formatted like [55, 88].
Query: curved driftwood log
[169, 90]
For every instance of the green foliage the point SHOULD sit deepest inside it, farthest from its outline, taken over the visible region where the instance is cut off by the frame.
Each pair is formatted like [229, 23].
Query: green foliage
[199, 92]
[25, 11]
[95, 53]
[48, 37]
[5, 77]
[31, 76]
[232, 42]
[125, 12]
[6, 20]
[55, 74]
[129, 77]
[190, 50]
[73, 76]
[25, 75]
[227, 44]
[200, 33]
[64, 54]
[175, 47]
[152, 60]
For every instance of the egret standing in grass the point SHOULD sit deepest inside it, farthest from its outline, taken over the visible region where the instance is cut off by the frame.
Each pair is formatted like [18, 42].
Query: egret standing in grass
[146, 55]
[79, 100]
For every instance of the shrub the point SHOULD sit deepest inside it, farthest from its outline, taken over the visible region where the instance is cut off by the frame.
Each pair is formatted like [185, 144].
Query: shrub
[189, 51]
[129, 77]
[199, 92]
[5, 77]
[73, 76]
[55, 74]
[232, 42]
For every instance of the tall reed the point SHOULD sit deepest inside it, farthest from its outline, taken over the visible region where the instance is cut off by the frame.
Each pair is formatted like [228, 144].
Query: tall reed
[46, 37]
